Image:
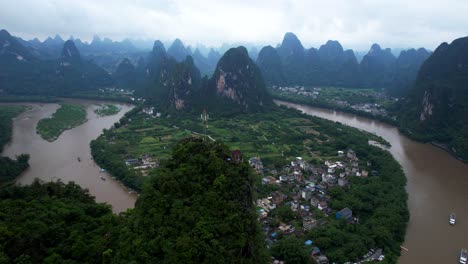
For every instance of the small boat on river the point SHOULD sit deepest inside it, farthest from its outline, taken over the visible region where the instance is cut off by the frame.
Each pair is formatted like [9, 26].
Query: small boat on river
[463, 256]
[452, 219]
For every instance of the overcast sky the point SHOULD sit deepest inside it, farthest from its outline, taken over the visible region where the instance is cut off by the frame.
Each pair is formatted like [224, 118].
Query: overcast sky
[355, 23]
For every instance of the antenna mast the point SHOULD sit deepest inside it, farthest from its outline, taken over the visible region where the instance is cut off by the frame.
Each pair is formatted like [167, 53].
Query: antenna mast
[204, 118]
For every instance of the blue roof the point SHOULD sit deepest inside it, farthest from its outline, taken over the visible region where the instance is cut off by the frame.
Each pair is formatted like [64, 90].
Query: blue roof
[273, 234]
[308, 242]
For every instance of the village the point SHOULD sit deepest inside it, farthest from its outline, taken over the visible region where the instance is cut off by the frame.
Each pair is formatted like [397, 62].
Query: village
[319, 94]
[303, 188]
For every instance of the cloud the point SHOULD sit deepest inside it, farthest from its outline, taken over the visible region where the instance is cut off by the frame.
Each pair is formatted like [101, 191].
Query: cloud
[356, 24]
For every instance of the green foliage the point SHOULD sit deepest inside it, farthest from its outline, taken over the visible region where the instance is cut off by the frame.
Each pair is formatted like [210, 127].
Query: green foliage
[7, 112]
[52, 223]
[291, 250]
[284, 213]
[196, 209]
[10, 169]
[66, 117]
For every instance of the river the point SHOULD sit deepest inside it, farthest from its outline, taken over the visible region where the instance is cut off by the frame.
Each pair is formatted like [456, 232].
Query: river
[437, 185]
[59, 159]
[437, 182]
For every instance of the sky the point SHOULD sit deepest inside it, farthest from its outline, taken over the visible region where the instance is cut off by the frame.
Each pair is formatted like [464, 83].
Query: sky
[356, 24]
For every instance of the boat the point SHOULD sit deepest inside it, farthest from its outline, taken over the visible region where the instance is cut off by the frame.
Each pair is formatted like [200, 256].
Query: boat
[452, 218]
[102, 178]
[463, 256]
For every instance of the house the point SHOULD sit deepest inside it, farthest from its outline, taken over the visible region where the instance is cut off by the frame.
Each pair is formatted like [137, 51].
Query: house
[351, 154]
[237, 156]
[314, 202]
[315, 252]
[306, 193]
[278, 197]
[283, 178]
[322, 205]
[308, 223]
[256, 164]
[364, 173]
[343, 182]
[305, 208]
[294, 206]
[345, 213]
[322, 259]
[269, 180]
[287, 229]
[132, 162]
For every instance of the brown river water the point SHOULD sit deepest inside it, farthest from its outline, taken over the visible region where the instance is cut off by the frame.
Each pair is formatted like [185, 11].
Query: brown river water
[437, 185]
[437, 182]
[59, 159]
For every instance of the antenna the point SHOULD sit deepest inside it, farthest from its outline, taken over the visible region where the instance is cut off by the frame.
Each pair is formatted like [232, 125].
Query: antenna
[204, 118]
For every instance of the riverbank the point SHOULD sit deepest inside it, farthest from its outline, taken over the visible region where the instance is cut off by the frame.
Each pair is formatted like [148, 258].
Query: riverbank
[383, 119]
[10, 168]
[349, 110]
[57, 160]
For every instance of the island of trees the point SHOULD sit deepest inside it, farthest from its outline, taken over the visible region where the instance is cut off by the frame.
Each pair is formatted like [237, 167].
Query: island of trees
[66, 117]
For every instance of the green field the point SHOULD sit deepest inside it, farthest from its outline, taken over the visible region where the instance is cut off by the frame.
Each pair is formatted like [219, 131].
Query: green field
[107, 110]
[66, 117]
[276, 136]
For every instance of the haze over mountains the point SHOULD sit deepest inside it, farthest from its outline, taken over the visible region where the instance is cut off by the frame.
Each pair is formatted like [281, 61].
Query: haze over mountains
[177, 78]
[331, 65]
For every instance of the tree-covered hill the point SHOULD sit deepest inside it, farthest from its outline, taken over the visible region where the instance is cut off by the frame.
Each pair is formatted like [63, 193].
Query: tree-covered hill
[197, 209]
[437, 106]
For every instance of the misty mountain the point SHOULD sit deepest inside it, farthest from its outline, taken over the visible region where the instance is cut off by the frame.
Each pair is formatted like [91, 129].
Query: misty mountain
[178, 51]
[376, 67]
[331, 65]
[405, 70]
[23, 73]
[271, 66]
[125, 76]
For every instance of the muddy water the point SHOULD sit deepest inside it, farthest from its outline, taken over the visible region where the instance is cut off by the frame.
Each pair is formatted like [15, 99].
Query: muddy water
[437, 185]
[59, 159]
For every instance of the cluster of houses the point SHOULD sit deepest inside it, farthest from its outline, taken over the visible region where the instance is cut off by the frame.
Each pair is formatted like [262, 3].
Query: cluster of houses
[303, 187]
[375, 109]
[298, 90]
[151, 112]
[144, 162]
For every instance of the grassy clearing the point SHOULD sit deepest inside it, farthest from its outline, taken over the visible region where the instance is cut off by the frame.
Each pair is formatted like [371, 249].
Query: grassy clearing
[276, 136]
[66, 117]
